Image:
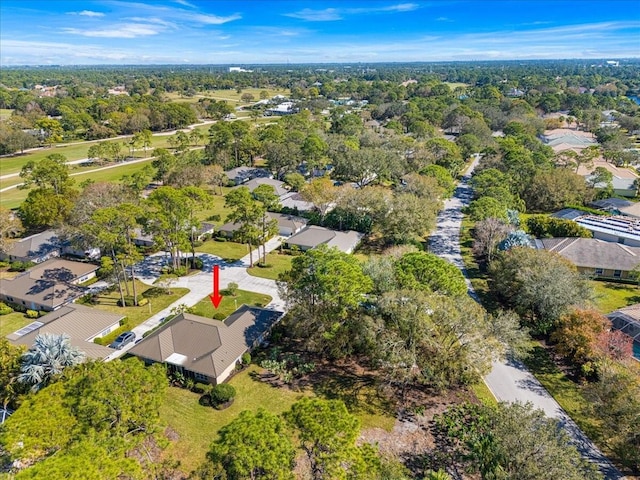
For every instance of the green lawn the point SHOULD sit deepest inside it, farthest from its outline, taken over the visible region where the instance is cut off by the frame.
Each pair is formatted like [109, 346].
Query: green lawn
[566, 392]
[13, 198]
[229, 251]
[137, 315]
[278, 264]
[611, 296]
[483, 394]
[13, 322]
[198, 426]
[229, 304]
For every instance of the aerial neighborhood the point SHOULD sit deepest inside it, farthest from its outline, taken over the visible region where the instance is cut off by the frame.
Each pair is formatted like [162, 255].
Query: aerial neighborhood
[340, 270]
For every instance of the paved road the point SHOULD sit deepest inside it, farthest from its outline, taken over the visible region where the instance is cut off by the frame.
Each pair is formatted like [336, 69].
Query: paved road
[509, 380]
[200, 285]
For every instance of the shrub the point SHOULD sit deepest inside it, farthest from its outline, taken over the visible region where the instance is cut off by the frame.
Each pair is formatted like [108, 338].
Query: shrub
[232, 289]
[32, 314]
[213, 218]
[5, 309]
[4, 264]
[20, 266]
[107, 339]
[154, 292]
[128, 301]
[180, 271]
[220, 239]
[246, 358]
[200, 387]
[219, 316]
[143, 301]
[222, 393]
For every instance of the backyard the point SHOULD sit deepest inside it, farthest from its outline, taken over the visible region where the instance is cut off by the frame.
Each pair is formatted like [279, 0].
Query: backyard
[610, 296]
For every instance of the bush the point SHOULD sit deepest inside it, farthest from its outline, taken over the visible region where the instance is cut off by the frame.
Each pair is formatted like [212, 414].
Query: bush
[154, 292]
[32, 314]
[20, 266]
[200, 387]
[143, 301]
[128, 301]
[264, 265]
[213, 218]
[220, 239]
[107, 339]
[246, 358]
[219, 316]
[180, 271]
[4, 264]
[222, 393]
[5, 309]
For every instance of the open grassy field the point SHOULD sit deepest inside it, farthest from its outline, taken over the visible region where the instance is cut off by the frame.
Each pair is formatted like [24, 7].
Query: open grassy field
[13, 322]
[12, 198]
[277, 264]
[137, 315]
[230, 95]
[229, 304]
[611, 296]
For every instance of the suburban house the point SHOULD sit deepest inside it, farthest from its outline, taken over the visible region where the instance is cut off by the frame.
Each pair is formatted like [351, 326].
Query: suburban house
[564, 139]
[627, 320]
[618, 206]
[142, 239]
[205, 349]
[49, 285]
[277, 185]
[205, 228]
[35, 248]
[243, 174]
[287, 225]
[312, 236]
[82, 324]
[295, 202]
[595, 257]
[615, 228]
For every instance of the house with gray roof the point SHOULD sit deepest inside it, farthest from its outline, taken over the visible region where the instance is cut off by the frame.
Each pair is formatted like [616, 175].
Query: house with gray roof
[287, 224]
[82, 324]
[295, 202]
[313, 236]
[627, 320]
[595, 257]
[618, 206]
[277, 185]
[205, 349]
[240, 175]
[35, 248]
[49, 285]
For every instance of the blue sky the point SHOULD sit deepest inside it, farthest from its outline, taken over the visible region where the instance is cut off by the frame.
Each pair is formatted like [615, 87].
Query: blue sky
[261, 31]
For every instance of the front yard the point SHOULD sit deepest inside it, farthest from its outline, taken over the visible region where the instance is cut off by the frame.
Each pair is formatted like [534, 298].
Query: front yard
[229, 304]
[108, 301]
[228, 251]
[277, 264]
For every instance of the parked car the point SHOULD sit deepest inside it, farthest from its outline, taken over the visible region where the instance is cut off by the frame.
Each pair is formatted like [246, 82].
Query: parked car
[123, 339]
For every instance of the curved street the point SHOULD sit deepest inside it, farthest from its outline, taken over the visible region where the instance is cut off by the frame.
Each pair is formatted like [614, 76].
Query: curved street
[509, 380]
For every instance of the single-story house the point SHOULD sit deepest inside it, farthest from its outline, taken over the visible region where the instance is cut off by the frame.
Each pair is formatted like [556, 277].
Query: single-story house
[142, 239]
[294, 201]
[595, 257]
[49, 285]
[277, 185]
[205, 228]
[312, 236]
[240, 175]
[205, 349]
[287, 225]
[35, 248]
[82, 324]
[624, 230]
[618, 206]
[627, 320]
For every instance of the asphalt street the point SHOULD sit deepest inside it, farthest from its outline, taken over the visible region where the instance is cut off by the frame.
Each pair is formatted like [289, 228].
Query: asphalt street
[509, 380]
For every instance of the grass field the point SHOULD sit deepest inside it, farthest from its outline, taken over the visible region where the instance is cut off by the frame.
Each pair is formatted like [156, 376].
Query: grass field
[14, 197]
[229, 95]
[13, 322]
[229, 304]
[611, 296]
[278, 264]
[137, 315]
[228, 251]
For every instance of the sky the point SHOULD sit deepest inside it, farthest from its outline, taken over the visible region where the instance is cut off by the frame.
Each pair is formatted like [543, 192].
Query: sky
[275, 31]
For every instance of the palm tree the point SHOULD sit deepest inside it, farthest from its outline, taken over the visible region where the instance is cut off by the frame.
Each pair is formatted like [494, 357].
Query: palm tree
[48, 357]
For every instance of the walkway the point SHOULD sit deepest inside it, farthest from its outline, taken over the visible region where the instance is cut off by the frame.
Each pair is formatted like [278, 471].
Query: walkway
[200, 285]
[509, 380]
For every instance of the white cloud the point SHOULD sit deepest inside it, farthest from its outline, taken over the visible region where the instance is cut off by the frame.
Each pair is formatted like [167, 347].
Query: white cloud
[125, 30]
[206, 19]
[185, 3]
[332, 14]
[87, 13]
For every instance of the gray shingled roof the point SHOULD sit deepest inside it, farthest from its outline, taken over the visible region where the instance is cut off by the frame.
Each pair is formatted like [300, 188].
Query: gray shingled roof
[48, 283]
[35, 245]
[277, 185]
[312, 236]
[203, 345]
[594, 253]
[81, 323]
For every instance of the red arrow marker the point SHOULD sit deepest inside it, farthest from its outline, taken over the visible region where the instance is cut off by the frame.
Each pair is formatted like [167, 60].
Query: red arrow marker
[215, 297]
